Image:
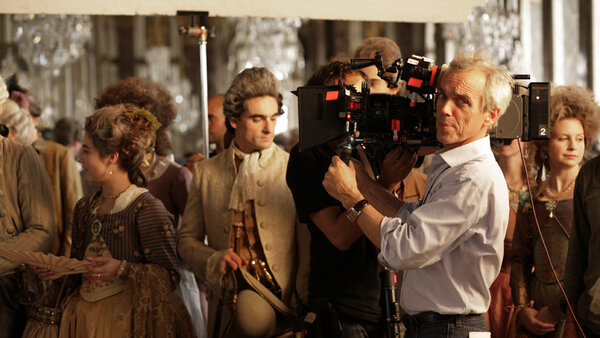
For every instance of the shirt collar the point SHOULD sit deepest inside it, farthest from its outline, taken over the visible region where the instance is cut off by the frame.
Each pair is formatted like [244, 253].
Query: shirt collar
[467, 152]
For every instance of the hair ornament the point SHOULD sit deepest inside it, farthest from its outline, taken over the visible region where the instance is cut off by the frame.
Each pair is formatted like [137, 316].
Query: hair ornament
[141, 113]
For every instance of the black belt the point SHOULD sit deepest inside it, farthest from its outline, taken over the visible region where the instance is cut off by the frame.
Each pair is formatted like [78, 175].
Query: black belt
[412, 323]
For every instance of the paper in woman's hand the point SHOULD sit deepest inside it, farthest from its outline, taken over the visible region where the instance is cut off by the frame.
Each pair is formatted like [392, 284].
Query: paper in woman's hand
[59, 265]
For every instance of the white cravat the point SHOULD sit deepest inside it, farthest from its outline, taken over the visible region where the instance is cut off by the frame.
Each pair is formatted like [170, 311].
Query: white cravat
[244, 188]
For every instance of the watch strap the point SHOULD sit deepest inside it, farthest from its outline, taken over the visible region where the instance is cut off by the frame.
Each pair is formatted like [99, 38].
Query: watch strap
[355, 211]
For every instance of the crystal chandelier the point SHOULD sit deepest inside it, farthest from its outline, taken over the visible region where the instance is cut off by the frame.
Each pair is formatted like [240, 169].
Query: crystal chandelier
[52, 41]
[159, 69]
[271, 43]
[43, 45]
[494, 28]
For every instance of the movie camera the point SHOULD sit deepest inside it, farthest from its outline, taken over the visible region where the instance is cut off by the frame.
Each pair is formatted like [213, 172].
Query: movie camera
[407, 120]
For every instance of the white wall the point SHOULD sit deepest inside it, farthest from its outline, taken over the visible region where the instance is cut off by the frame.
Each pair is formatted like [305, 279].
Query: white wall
[363, 10]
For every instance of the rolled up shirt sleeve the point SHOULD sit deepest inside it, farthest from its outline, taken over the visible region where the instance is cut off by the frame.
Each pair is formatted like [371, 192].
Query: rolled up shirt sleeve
[388, 226]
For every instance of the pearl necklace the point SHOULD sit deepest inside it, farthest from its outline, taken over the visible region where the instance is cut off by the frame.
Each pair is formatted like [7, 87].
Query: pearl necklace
[558, 195]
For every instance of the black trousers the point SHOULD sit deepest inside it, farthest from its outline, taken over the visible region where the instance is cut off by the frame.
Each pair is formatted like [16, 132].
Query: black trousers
[12, 313]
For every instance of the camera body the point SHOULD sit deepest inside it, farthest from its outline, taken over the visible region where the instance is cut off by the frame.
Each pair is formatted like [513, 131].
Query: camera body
[330, 112]
[527, 116]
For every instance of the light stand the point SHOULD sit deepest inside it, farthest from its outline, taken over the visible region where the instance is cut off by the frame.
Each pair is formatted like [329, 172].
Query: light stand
[202, 33]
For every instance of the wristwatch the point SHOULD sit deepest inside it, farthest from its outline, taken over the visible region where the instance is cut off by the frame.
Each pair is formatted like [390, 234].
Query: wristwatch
[356, 210]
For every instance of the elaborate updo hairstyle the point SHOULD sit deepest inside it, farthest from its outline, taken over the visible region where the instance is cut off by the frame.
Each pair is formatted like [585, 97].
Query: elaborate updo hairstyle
[578, 103]
[18, 120]
[142, 93]
[250, 83]
[567, 102]
[126, 130]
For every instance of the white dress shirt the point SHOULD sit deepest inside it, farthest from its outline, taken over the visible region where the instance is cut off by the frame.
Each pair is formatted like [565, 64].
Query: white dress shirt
[451, 245]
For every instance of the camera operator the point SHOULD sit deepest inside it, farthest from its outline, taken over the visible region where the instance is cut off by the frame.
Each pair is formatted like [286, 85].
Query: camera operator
[413, 186]
[390, 51]
[450, 245]
[344, 284]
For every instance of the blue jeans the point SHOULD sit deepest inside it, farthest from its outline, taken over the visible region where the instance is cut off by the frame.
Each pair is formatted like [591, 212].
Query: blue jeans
[458, 328]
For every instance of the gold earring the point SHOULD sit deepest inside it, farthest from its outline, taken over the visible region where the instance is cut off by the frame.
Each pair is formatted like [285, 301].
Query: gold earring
[110, 172]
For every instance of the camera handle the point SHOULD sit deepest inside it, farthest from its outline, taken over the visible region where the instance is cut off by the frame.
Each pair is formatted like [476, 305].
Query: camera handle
[392, 310]
[349, 142]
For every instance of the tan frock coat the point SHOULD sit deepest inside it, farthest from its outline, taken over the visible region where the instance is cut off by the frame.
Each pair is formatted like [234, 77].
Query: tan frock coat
[26, 224]
[65, 185]
[284, 241]
[26, 215]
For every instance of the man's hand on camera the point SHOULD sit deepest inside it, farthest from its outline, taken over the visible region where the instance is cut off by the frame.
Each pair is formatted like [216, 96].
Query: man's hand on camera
[397, 164]
[340, 182]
